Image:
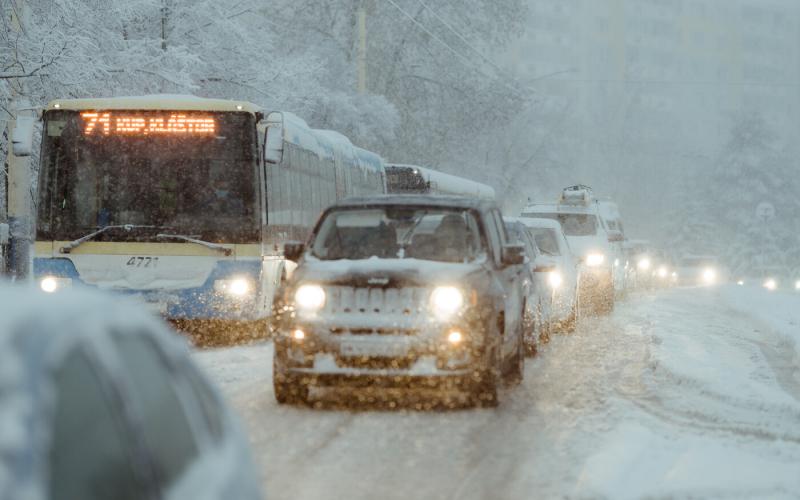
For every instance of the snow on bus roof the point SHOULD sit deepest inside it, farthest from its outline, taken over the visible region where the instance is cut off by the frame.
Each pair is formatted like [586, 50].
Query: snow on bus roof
[451, 184]
[321, 141]
[154, 102]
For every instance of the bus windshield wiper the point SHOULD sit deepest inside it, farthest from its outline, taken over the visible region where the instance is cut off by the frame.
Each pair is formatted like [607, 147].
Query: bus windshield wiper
[166, 236]
[69, 247]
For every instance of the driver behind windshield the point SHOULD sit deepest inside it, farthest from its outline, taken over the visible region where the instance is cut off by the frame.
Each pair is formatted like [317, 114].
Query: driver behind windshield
[442, 235]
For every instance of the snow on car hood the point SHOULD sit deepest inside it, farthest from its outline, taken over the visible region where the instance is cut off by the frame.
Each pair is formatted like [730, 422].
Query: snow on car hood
[386, 272]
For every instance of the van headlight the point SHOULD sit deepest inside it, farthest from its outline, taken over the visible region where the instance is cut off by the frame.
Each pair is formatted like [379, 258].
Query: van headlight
[236, 287]
[595, 259]
[554, 279]
[446, 301]
[310, 298]
[52, 284]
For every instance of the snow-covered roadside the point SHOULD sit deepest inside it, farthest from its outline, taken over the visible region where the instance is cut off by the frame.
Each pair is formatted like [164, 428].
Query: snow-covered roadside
[678, 395]
[780, 311]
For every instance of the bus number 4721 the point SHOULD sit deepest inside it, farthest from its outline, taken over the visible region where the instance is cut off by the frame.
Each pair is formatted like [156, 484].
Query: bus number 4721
[143, 262]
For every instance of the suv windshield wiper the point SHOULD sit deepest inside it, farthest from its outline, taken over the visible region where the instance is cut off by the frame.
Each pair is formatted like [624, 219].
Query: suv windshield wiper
[83, 239]
[407, 237]
[166, 236]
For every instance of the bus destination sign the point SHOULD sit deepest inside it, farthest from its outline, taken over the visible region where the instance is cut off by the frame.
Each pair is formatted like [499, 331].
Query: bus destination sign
[127, 123]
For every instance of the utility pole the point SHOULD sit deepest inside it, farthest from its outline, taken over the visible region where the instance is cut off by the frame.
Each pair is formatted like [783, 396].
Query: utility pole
[20, 136]
[164, 18]
[361, 26]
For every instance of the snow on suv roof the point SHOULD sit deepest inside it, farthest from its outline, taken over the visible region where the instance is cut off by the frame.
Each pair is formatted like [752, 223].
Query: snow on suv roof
[154, 102]
[554, 208]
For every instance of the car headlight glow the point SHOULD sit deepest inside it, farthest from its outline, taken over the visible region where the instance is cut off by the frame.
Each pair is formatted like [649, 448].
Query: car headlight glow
[662, 272]
[770, 284]
[52, 284]
[237, 287]
[797, 285]
[554, 279]
[446, 301]
[455, 337]
[310, 297]
[644, 264]
[595, 259]
[709, 275]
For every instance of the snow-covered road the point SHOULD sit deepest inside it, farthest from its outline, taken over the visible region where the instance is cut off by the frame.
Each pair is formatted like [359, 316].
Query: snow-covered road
[679, 394]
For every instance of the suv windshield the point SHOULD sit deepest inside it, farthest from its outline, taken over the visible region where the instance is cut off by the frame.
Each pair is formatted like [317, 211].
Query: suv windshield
[546, 241]
[437, 234]
[573, 224]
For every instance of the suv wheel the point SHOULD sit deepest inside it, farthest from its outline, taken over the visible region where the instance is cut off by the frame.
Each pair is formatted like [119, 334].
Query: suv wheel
[289, 389]
[517, 368]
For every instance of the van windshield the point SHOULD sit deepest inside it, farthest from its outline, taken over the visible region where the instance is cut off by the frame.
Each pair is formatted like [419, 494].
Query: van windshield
[573, 224]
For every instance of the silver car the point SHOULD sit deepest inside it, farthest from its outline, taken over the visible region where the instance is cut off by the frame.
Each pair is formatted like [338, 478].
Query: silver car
[99, 401]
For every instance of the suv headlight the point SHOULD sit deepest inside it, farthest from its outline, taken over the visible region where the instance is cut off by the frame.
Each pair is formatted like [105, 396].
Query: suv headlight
[236, 287]
[310, 298]
[446, 301]
[52, 284]
[595, 259]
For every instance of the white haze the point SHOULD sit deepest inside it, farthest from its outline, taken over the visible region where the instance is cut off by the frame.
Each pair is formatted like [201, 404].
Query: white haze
[682, 111]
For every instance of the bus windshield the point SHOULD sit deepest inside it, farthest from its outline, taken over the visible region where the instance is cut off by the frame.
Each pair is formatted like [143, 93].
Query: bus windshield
[189, 172]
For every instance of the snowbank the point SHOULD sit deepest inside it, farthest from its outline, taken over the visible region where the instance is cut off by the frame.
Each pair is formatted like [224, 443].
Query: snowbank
[778, 311]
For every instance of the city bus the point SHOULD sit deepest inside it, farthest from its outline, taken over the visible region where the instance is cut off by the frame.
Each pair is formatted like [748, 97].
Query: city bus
[184, 203]
[409, 179]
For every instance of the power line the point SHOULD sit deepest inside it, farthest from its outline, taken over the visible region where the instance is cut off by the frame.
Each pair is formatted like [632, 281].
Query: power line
[463, 59]
[720, 83]
[462, 38]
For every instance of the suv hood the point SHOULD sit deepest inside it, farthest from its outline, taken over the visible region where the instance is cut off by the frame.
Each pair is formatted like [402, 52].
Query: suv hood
[388, 273]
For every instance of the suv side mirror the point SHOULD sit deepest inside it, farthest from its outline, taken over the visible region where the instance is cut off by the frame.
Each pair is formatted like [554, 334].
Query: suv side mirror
[293, 250]
[513, 255]
[615, 236]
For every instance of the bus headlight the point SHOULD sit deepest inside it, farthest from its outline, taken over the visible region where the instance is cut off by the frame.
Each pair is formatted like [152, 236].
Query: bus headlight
[310, 298]
[237, 287]
[595, 259]
[446, 301]
[554, 279]
[52, 284]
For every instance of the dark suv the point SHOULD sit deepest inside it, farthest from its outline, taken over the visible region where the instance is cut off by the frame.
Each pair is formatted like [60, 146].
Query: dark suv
[395, 290]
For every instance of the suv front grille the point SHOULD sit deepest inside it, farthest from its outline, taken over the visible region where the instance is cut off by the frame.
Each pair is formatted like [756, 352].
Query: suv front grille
[350, 300]
[374, 331]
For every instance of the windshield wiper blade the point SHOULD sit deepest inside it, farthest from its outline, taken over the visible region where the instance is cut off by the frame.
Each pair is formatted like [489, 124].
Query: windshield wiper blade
[166, 236]
[69, 247]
